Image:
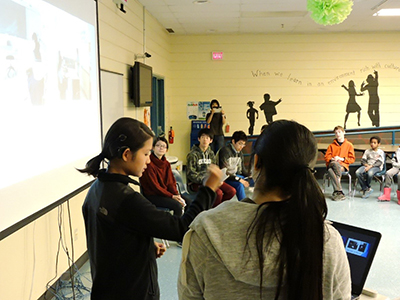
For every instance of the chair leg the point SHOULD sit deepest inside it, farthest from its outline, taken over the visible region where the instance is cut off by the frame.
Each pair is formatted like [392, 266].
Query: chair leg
[166, 243]
[349, 184]
[324, 181]
[382, 183]
[355, 186]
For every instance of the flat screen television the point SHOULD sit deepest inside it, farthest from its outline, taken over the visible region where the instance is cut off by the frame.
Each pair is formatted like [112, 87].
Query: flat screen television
[141, 84]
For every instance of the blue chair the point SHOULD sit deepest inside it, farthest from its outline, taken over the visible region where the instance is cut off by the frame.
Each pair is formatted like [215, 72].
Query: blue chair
[378, 176]
[181, 185]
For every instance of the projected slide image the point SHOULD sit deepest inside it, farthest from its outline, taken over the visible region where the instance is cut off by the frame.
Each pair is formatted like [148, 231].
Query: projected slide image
[42, 45]
[357, 247]
[48, 86]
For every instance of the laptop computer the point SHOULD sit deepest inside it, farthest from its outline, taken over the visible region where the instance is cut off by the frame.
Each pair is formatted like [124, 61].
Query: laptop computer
[360, 245]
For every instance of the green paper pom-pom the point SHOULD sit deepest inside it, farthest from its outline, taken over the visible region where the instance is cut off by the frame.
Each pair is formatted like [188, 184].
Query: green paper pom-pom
[329, 12]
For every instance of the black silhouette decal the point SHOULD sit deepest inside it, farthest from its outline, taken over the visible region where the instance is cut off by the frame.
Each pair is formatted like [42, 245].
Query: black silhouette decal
[352, 105]
[373, 104]
[251, 115]
[269, 108]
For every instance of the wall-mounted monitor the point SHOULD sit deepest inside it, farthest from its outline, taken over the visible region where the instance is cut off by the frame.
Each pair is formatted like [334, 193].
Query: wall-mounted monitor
[141, 84]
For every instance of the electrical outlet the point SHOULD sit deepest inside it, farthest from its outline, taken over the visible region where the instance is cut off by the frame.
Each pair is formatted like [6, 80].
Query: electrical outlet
[76, 234]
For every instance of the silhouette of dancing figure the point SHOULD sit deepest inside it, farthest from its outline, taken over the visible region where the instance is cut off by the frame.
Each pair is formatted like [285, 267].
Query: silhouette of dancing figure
[352, 105]
[251, 115]
[269, 108]
[373, 104]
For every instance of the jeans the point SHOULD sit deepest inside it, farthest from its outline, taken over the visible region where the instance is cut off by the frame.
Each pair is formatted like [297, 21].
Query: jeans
[218, 143]
[239, 187]
[365, 178]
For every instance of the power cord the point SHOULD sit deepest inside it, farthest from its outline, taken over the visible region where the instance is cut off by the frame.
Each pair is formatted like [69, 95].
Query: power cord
[63, 289]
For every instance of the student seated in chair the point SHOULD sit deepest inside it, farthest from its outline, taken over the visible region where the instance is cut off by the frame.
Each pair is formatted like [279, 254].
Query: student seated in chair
[338, 157]
[159, 184]
[372, 162]
[198, 160]
[395, 170]
[231, 158]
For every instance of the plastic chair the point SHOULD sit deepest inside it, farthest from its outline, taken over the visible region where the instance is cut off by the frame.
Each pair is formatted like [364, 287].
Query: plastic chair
[326, 177]
[378, 176]
[181, 185]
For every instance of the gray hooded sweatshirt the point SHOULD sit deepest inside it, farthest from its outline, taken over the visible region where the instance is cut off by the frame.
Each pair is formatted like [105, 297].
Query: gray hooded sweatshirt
[217, 266]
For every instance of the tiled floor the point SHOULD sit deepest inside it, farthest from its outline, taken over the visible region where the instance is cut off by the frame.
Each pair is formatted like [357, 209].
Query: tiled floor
[384, 275]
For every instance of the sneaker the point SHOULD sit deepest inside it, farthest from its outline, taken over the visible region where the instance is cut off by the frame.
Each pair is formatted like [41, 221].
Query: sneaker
[338, 196]
[367, 193]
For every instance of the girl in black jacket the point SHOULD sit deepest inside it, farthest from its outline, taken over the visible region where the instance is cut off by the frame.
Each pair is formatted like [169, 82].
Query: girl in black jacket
[120, 223]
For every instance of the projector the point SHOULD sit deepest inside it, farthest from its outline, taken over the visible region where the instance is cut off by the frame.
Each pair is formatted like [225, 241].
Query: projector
[120, 4]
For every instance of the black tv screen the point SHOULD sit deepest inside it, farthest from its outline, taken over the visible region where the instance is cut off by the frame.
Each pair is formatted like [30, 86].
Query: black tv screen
[142, 84]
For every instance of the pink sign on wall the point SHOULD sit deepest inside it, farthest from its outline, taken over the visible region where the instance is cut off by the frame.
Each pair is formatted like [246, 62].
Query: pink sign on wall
[217, 55]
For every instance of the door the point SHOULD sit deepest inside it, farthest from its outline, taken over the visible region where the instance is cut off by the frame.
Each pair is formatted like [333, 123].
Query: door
[157, 110]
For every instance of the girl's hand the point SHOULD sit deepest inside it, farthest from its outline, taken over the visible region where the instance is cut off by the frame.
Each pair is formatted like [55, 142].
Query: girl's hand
[160, 249]
[214, 177]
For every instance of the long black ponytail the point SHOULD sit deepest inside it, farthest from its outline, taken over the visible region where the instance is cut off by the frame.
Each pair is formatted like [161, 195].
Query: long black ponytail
[286, 153]
[124, 133]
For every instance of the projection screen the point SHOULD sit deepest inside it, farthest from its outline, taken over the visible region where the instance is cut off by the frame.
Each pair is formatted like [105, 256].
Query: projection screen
[49, 102]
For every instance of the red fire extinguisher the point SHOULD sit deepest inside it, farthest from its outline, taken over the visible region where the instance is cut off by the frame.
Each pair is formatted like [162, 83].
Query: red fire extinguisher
[227, 128]
[171, 135]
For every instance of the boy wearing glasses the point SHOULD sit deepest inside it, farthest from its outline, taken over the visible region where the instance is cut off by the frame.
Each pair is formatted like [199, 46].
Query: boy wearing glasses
[231, 158]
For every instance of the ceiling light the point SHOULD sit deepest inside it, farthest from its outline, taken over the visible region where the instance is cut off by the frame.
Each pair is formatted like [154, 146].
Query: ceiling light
[387, 12]
[201, 1]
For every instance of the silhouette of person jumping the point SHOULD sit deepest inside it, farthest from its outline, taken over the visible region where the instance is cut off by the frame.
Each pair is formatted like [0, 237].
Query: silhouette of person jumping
[373, 104]
[251, 115]
[269, 108]
[352, 105]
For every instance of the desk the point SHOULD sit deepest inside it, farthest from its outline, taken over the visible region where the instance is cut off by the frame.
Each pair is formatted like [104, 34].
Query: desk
[389, 149]
[171, 159]
[176, 164]
[323, 147]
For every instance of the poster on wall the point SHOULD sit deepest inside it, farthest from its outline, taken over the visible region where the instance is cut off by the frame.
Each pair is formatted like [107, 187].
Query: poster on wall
[197, 110]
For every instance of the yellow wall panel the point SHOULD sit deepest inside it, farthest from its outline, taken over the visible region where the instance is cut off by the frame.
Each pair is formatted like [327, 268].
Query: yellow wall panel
[306, 71]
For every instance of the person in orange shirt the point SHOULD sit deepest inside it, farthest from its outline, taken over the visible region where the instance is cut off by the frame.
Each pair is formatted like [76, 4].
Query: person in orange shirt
[338, 157]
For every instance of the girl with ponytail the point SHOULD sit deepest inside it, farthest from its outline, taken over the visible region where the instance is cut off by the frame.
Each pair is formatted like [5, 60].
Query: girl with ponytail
[120, 223]
[277, 245]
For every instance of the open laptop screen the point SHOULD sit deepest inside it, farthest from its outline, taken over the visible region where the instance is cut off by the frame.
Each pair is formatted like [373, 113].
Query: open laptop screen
[360, 245]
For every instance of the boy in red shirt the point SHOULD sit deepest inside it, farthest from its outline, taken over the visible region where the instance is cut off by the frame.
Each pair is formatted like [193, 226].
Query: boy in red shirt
[338, 157]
